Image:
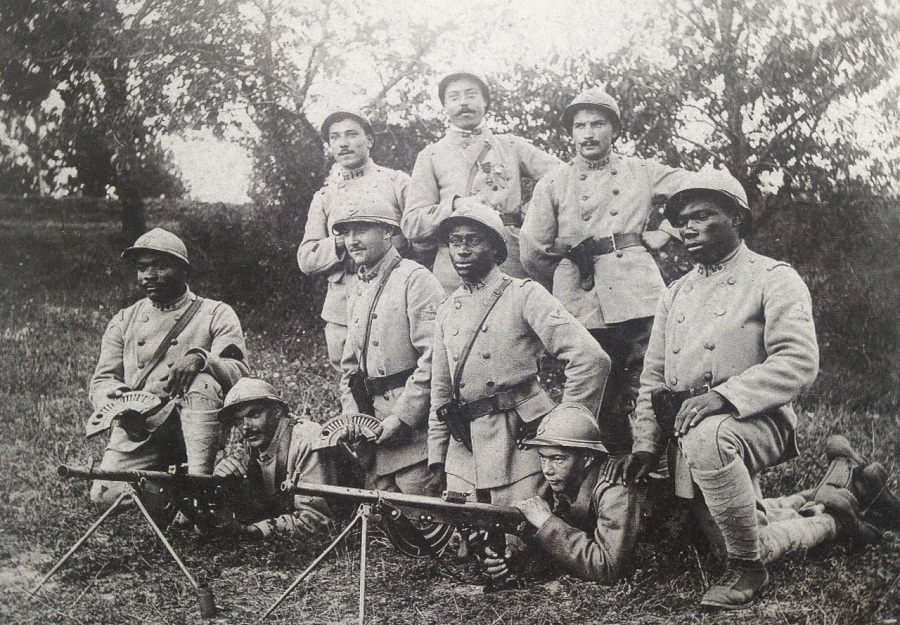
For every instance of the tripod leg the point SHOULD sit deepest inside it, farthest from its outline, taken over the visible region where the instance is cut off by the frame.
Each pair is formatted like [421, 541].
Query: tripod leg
[204, 595]
[313, 565]
[362, 562]
[78, 544]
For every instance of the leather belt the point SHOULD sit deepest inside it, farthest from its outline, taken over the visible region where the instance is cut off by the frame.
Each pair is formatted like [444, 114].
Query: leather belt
[379, 386]
[682, 396]
[599, 246]
[501, 401]
[511, 219]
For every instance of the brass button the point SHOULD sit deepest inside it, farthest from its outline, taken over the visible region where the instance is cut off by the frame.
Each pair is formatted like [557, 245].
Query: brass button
[374, 315]
[170, 364]
[586, 217]
[141, 365]
[582, 177]
[141, 343]
[613, 212]
[673, 381]
[457, 304]
[613, 172]
[731, 280]
[619, 253]
[708, 376]
[145, 319]
[455, 332]
[709, 345]
[615, 192]
[356, 320]
[486, 355]
[688, 288]
[455, 356]
[680, 317]
[584, 198]
[375, 343]
[386, 397]
[675, 350]
[174, 341]
[490, 384]
[462, 385]
[484, 328]
[380, 371]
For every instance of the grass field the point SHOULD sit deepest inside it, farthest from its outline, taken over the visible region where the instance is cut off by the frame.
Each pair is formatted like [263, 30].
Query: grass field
[61, 280]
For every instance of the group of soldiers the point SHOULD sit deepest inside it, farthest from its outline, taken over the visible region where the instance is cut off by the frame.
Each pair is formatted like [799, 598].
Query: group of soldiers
[445, 292]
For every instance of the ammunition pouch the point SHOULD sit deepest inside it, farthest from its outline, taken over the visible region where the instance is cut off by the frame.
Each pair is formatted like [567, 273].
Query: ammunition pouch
[511, 219]
[459, 415]
[583, 254]
[357, 385]
[666, 403]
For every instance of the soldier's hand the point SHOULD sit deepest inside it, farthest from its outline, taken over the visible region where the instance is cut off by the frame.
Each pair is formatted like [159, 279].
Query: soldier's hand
[655, 239]
[535, 509]
[230, 466]
[696, 409]
[613, 470]
[116, 393]
[638, 466]
[496, 565]
[391, 428]
[183, 373]
[467, 202]
[339, 246]
[350, 433]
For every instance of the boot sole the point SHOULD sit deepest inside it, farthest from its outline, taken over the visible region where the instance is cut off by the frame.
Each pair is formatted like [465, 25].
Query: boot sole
[713, 606]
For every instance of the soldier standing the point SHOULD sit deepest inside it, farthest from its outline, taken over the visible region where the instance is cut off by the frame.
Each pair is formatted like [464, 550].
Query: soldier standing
[488, 338]
[585, 234]
[386, 368]
[349, 137]
[470, 162]
[733, 344]
[175, 345]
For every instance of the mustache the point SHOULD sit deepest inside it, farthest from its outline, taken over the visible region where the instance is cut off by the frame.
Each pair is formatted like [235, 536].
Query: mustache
[466, 109]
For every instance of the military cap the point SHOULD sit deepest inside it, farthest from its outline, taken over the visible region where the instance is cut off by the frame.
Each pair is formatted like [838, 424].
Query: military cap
[593, 98]
[158, 240]
[343, 114]
[483, 215]
[568, 425]
[248, 390]
[478, 78]
[368, 208]
[711, 183]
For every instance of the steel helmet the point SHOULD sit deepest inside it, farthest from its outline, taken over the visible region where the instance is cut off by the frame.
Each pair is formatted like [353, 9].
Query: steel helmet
[247, 390]
[478, 78]
[343, 114]
[367, 208]
[568, 425]
[593, 98]
[483, 215]
[158, 240]
[711, 183]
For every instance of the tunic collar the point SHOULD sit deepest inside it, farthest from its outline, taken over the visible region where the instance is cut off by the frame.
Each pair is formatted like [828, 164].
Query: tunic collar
[468, 137]
[175, 304]
[727, 262]
[368, 275]
[592, 165]
[349, 174]
[493, 276]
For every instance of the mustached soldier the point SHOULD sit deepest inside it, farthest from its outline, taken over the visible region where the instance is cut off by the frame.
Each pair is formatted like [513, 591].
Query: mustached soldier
[733, 344]
[349, 137]
[470, 164]
[488, 337]
[195, 368]
[386, 368]
[278, 447]
[586, 234]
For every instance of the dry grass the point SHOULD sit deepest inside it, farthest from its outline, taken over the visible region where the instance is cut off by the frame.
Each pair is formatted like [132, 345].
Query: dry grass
[60, 283]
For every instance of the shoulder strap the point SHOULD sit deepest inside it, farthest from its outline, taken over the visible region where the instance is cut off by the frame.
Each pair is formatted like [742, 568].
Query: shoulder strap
[163, 347]
[495, 297]
[473, 171]
[365, 347]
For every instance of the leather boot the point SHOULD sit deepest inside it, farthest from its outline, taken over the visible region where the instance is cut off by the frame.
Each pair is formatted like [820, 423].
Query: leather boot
[876, 499]
[843, 506]
[739, 587]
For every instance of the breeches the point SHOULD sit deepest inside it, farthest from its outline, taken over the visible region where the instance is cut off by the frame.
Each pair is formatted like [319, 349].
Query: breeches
[524, 488]
[759, 441]
[415, 479]
[626, 344]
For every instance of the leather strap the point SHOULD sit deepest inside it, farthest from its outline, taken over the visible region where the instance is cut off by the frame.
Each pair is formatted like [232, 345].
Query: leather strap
[377, 386]
[473, 171]
[163, 347]
[501, 401]
[365, 347]
[460, 365]
[511, 219]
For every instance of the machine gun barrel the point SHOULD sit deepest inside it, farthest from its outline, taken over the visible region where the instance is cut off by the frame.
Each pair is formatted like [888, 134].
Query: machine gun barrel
[89, 473]
[446, 509]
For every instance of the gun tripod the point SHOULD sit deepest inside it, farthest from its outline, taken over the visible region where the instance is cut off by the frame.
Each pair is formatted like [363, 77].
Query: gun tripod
[204, 594]
[363, 513]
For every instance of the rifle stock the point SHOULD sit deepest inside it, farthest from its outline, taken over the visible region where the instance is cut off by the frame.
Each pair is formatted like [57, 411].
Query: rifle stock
[421, 508]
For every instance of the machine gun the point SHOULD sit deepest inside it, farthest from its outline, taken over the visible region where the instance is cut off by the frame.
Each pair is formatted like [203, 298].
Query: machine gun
[175, 486]
[416, 525]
